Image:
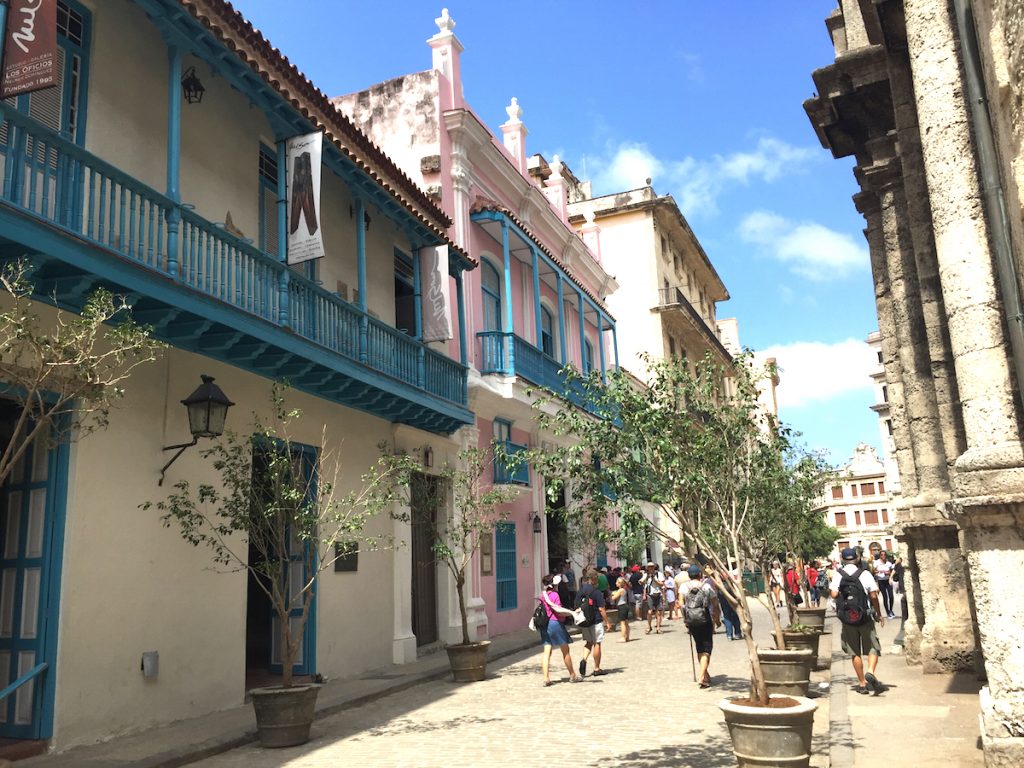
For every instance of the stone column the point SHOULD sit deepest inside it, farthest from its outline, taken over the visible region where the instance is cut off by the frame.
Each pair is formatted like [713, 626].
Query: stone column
[915, 613]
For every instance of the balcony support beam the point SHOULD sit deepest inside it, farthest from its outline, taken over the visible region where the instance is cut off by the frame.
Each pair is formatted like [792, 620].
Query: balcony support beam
[561, 318]
[460, 295]
[360, 215]
[536, 297]
[173, 155]
[583, 332]
[506, 256]
[600, 345]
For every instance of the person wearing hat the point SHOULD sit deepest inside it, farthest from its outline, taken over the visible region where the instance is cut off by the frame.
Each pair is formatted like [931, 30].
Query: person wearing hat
[653, 583]
[703, 633]
[670, 592]
[636, 587]
[861, 639]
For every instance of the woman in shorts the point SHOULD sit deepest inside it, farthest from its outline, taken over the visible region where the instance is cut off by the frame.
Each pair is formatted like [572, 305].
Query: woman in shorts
[554, 634]
[620, 599]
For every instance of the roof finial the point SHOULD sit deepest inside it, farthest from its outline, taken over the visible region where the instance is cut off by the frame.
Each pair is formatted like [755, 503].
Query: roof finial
[514, 111]
[445, 23]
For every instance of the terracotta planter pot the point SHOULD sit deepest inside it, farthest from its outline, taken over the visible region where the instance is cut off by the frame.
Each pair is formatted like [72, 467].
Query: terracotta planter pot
[787, 672]
[771, 737]
[812, 617]
[284, 715]
[469, 662]
[797, 640]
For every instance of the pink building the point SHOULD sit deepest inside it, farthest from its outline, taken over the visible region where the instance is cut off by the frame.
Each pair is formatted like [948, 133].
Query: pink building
[536, 303]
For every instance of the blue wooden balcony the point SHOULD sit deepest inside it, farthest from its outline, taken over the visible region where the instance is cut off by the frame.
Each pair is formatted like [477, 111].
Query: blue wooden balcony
[509, 471]
[82, 223]
[509, 355]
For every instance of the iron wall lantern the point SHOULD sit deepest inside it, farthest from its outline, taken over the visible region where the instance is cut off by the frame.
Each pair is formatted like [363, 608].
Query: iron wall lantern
[192, 86]
[536, 523]
[207, 413]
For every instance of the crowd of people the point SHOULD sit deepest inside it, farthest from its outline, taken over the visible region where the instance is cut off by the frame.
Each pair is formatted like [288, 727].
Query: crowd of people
[651, 595]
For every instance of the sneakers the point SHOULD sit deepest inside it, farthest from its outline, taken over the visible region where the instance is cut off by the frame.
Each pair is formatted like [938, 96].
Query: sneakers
[874, 684]
[860, 689]
[583, 667]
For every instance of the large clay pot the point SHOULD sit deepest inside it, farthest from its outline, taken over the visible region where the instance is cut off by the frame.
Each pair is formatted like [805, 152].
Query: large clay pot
[771, 737]
[812, 617]
[787, 672]
[468, 662]
[796, 640]
[284, 715]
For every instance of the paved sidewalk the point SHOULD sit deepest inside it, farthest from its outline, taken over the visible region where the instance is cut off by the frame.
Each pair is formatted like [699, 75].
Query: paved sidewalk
[925, 721]
[187, 741]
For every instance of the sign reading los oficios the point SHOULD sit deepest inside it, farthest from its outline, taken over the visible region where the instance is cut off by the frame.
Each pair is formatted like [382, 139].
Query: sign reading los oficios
[30, 47]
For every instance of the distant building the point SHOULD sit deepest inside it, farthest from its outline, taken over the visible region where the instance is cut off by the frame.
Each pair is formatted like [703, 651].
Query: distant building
[858, 504]
[881, 407]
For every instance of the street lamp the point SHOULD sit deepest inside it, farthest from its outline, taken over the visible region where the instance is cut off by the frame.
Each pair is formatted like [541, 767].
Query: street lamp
[536, 522]
[207, 412]
[192, 86]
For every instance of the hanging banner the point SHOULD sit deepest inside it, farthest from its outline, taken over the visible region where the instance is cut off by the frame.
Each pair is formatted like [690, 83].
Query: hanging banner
[305, 236]
[437, 303]
[30, 47]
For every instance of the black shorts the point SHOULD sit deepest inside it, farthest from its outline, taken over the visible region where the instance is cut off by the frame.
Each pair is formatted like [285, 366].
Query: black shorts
[654, 602]
[623, 612]
[703, 637]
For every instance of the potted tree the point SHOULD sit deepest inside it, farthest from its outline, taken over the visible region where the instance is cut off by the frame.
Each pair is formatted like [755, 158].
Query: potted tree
[477, 507]
[694, 442]
[280, 500]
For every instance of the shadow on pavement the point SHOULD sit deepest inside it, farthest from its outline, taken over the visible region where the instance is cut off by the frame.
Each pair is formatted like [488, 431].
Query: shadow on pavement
[710, 751]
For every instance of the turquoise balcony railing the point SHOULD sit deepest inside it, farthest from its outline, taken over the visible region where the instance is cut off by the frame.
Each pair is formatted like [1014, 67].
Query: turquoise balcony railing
[510, 355]
[509, 471]
[55, 182]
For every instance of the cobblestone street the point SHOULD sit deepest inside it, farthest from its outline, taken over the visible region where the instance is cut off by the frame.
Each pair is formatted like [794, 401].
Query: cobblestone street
[646, 711]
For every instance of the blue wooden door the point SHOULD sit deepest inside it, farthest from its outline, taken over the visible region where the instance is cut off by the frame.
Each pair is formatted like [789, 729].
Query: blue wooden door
[507, 589]
[299, 573]
[30, 540]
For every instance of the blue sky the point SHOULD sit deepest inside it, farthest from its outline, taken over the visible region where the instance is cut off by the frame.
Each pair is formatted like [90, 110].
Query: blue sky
[704, 98]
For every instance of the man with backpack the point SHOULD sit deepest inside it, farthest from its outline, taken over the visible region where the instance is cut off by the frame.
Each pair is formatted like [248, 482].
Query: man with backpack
[856, 594]
[701, 614]
[590, 600]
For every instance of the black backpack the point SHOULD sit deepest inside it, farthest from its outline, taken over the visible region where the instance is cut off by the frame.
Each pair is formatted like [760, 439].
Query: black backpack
[540, 617]
[852, 602]
[585, 602]
[696, 607]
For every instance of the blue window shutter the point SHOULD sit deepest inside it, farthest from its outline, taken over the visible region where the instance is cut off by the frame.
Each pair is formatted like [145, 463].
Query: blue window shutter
[505, 567]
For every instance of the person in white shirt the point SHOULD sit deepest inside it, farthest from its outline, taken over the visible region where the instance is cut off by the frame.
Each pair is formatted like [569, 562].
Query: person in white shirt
[883, 575]
[653, 582]
[861, 639]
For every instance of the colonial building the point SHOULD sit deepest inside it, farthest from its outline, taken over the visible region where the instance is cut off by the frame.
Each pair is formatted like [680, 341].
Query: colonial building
[885, 430]
[926, 96]
[859, 505]
[156, 167]
[536, 304]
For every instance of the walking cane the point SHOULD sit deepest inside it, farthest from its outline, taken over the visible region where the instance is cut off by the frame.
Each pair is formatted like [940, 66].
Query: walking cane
[693, 662]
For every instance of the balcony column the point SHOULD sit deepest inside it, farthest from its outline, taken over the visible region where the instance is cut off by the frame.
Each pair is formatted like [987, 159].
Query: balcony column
[583, 332]
[506, 255]
[460, 298]
[615, 344]
[417, 311]
[173, 155]
[600, 344]
[536, 298]
[561, 318]
[360, 214]
[282, 231]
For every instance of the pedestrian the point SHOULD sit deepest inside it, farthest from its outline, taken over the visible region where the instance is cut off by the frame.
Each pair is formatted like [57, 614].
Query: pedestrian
[602, 580]
[730, 619]
[670, 592]
[775, 582]
[554, 634]
[883, 575]
[592, 630]
[570, 578]
[856, 593]
[621, 599]
[897, 576]
[793, 585]
[565, 597]
[637, 587]
[653, 581]
[701, 614]
[811, 575]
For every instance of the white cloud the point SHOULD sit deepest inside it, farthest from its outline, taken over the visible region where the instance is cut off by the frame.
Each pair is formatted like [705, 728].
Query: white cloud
[812, 371]
[809, 249]
[697, 183]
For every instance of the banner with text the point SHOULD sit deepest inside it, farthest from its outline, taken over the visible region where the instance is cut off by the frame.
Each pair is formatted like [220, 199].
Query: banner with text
[305, 236]
[30, 47]
[437, 303]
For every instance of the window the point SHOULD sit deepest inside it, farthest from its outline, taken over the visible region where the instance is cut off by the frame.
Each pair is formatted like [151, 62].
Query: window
[671, 346]
[870, 517]
[841, 545]
[837, 491]
[490, 286]
[588, 356]
[268, 201]
[502, 431]
[885, 516]
[853, 491]
[867, 489]
[885, 394]
[840, 519]
[505, 562]
[547, 333]
[888, 426]
[879, 356]
[888, 545]
[856, 517]
[405, 294]
[881, 486]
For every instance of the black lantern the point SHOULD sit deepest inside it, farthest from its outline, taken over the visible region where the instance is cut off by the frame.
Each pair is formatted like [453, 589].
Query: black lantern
[536, 522]
[207, 409]
[207, 412]
[192, 87]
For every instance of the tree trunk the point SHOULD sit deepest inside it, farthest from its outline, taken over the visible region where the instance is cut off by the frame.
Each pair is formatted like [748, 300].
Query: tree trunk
[460, 587]
[769, 604]
[758, 686]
